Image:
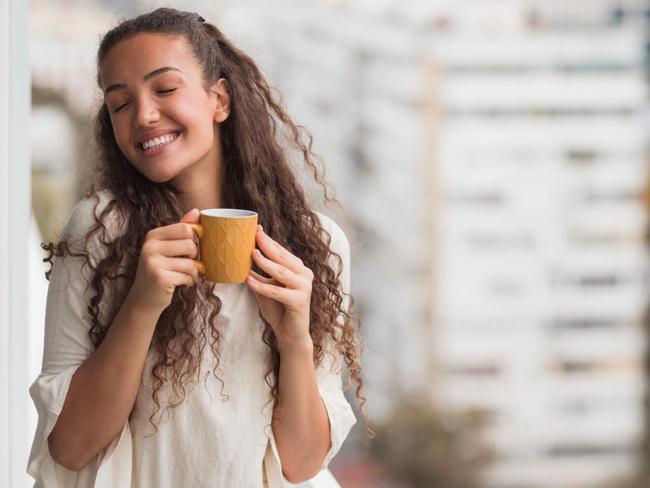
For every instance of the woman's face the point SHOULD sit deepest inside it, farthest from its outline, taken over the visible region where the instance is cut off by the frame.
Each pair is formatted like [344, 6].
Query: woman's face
[164, 120]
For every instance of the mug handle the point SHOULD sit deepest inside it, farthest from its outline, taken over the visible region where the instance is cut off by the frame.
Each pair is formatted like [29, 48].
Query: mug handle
[198, 230]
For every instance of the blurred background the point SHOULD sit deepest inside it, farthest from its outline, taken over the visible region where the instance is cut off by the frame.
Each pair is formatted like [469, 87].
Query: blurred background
[492, 159]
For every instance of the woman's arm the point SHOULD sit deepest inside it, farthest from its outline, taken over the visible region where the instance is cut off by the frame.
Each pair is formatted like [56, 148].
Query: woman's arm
[103, 389]
[300, 421]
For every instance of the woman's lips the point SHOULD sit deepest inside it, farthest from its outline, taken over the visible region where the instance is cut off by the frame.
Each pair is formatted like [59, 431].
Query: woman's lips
[160, 149]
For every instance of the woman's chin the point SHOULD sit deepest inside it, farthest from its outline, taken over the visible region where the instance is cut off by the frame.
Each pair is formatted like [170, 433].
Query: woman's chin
[161, 180]
[159, 177]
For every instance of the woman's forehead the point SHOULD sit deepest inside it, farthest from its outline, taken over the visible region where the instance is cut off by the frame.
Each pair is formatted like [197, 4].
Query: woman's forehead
[142, 53]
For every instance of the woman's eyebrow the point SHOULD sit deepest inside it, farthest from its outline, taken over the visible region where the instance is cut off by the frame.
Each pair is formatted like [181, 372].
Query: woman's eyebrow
[156, 72]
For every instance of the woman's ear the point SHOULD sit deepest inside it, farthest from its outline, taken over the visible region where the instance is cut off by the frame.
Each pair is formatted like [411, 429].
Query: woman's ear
[221, 90]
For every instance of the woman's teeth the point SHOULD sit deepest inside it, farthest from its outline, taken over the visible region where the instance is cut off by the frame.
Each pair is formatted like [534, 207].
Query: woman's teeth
[158, 141]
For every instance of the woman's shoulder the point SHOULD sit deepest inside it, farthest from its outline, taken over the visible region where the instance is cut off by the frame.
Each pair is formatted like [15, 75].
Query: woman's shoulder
[85, 215]
[339, 240]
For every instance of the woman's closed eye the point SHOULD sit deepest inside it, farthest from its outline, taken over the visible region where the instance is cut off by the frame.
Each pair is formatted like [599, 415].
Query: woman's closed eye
[165, 91]
[117, 109]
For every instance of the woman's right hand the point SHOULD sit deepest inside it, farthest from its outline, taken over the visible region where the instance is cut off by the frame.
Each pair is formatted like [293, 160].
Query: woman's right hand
[166, 261]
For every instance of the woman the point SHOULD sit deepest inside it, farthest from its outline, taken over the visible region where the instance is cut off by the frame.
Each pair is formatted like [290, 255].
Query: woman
[129, 395]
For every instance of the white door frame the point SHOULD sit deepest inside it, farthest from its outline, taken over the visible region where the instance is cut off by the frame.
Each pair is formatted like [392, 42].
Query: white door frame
[15, 204]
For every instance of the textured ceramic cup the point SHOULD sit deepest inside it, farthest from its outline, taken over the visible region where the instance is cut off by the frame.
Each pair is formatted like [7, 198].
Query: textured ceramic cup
[226, 241]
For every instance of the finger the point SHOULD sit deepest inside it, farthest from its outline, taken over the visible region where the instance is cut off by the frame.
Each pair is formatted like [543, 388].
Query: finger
[179, 279]
[278, 253]
[281, 274]
[180, 230]
[178, 247]
[280, 294]
[182, 265]
[191, 216]
[261, 278]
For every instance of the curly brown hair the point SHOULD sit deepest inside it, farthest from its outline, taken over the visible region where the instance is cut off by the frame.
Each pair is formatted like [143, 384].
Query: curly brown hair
[257, 176]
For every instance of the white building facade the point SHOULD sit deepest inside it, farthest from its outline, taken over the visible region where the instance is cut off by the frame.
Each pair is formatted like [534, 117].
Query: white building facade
[542, 160]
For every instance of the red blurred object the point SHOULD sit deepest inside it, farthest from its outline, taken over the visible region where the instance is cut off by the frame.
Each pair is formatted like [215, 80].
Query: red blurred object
[362, 472]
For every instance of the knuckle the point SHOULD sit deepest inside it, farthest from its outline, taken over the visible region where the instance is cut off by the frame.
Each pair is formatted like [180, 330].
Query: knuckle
[149, 263]
[146, 247]
[308, 287]
[161, 281]
[191, 270]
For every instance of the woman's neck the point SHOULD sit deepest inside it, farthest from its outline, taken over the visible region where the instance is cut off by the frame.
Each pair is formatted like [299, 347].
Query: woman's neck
[201, 185]
[206, 195]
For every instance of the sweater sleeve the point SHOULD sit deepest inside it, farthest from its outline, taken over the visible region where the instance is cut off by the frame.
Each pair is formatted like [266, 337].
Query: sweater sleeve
[66, 346]
[328, 379]
[328, 375]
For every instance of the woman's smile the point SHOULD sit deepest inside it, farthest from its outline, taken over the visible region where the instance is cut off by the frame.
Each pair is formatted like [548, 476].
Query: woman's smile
[153, 146]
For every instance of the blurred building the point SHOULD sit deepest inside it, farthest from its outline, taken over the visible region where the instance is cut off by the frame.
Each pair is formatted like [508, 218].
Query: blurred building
[491, 155]
[63, 41]
[363, 84]
[542, 158]
[64, 36]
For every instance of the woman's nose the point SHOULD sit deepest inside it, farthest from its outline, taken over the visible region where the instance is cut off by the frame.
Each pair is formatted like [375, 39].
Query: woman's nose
[146, 113]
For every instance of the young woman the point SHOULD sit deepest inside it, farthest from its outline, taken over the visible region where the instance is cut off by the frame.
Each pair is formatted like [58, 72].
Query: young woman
[129, 394]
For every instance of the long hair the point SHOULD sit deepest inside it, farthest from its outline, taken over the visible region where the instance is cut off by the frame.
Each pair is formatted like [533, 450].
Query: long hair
[257, 176]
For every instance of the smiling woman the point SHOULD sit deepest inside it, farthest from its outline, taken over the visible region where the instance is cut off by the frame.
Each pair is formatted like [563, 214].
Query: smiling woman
[189, 123]
[154, 88]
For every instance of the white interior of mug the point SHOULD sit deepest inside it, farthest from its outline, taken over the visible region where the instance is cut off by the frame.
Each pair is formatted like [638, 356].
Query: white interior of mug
[227, 212]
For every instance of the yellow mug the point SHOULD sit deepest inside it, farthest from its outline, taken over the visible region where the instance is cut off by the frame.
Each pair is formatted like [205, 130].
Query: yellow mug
[226, 241]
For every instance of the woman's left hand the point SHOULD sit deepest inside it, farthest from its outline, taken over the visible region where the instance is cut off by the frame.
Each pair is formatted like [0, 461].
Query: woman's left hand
[285, 298]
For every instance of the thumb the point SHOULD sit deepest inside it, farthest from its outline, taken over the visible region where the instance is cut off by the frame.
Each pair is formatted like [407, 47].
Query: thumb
[191, 216]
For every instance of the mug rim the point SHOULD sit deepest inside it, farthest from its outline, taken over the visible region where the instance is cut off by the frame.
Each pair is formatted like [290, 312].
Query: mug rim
[232, 213]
